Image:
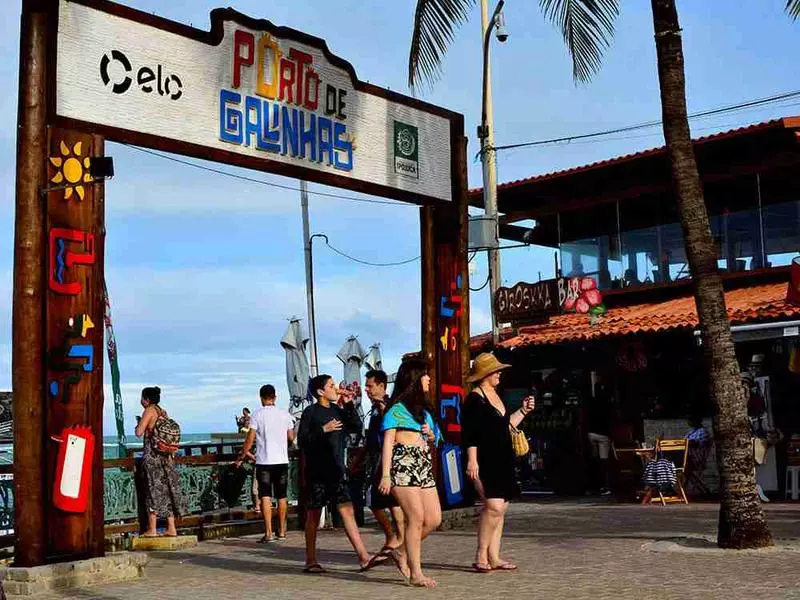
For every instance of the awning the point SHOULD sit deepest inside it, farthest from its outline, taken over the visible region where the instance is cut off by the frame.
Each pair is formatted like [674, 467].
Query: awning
[757, 304]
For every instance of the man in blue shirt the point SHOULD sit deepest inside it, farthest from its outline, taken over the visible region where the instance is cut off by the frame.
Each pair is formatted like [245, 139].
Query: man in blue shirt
[378, 503]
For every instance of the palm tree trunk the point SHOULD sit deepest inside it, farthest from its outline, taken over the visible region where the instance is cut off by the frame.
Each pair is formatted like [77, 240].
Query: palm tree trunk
[741, 519]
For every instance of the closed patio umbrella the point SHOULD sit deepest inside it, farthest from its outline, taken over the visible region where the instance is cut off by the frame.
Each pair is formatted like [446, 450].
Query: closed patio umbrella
[297, 374]
[352, 357]
[373, 359]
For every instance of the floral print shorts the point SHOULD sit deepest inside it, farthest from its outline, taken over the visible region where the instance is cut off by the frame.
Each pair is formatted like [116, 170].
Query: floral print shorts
[412, 467]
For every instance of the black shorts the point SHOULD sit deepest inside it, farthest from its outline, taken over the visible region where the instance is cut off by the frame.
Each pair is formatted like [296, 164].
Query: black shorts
[321, 493]
[378, 501]
[273, 481]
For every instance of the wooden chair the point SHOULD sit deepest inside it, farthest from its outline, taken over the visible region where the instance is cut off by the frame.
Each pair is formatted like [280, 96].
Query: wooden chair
[669, 449]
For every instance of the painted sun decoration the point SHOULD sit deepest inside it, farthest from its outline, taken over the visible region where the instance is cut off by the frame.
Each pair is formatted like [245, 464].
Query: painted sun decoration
[73, 170]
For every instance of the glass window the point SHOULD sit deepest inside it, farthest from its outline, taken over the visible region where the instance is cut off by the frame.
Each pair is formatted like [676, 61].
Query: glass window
[780, 197]
[735, 223]
[590, 245]
[652, 241]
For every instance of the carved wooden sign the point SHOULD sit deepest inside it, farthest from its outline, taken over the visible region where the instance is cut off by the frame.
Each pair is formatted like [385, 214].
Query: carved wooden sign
[527, 300]
[247, 93]
[531, 301]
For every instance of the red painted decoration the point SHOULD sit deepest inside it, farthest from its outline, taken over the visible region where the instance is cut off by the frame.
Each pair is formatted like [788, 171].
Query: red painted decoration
[73, 469]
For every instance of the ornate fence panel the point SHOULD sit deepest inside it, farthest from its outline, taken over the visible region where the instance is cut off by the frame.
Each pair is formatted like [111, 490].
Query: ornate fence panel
[119, 495]
[203, 486]
[6, 503]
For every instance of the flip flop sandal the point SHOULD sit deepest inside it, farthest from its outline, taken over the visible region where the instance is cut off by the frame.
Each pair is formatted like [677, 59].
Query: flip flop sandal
[315, 569]
[281, 538]
[481, 568]
[265, 540]
[505, 567]
[372, 562]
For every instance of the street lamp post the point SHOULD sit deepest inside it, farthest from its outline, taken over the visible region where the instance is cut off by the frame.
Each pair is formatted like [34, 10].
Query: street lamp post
[309, 260]
[488, 156]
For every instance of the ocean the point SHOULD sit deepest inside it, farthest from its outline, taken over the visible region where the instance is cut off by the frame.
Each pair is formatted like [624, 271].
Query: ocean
[110, 447]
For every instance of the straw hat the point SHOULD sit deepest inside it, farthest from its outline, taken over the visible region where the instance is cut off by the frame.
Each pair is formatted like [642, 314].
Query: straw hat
[484, 365]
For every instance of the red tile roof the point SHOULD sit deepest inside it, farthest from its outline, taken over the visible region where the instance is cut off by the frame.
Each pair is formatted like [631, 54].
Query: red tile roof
[763, 302]
[784, 123]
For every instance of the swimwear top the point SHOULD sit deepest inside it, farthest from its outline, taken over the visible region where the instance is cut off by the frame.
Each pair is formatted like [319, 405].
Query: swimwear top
[399, 417]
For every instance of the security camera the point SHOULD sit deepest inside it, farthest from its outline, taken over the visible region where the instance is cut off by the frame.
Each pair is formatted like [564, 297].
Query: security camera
[500, 24]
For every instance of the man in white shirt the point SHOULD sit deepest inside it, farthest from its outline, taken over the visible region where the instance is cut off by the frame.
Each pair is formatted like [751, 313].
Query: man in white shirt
[272, 430]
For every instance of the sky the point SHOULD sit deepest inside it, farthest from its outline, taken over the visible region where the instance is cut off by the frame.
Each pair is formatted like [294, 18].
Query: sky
[205, 270]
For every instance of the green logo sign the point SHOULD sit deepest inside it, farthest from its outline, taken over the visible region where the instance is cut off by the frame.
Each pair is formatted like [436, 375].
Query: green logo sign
[406, 150]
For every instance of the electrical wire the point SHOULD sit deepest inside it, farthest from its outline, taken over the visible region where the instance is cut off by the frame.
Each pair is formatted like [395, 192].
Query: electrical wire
[648, 124]
[365, 262]
[472, 289]
[262, 182]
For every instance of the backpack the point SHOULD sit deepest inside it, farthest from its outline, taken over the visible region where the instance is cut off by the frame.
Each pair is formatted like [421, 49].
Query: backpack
[166, 434]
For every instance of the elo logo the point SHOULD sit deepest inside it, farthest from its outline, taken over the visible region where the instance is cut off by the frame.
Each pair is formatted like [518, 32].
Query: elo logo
[120, 77]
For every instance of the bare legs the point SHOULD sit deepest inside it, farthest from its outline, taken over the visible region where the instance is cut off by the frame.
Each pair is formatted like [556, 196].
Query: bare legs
[350, 529]
[266, 512]
[394, 532]
[152, 520]
[283, 510]
[423, 514]
[490, 534]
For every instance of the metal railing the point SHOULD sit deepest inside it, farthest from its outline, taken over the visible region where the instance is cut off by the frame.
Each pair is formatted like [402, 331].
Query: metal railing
[201, 469]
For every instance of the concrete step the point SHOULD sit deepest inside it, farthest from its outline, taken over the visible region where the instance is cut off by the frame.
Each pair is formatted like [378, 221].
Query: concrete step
[159, 544]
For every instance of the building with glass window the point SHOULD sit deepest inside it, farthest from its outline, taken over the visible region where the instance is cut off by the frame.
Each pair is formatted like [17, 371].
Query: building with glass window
[617, 222]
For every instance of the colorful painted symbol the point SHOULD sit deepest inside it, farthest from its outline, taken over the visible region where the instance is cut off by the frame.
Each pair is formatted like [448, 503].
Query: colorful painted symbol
[61, 258]
[453, 403]
[73, 170]
[453, 475]
[83, 351]
[63, 388]
[79, 326]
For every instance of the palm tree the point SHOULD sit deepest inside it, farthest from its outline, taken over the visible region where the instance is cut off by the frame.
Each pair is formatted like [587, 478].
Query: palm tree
[588, 27]
[793, 8]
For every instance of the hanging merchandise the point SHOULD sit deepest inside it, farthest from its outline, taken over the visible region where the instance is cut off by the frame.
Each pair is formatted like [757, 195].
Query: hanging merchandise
[794, 358]
[113, 362]
[73, 468]
[631, 357]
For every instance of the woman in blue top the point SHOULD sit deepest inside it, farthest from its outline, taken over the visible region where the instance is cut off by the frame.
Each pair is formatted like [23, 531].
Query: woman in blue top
[407, 467]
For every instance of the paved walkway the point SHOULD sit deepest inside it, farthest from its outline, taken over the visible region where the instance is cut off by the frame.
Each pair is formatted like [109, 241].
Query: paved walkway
[566, 550]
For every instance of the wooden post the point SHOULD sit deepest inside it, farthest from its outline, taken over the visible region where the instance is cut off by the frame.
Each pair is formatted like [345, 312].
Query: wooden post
[74, 325]
[27, 373]
[444, 243]
[462, 202]
[428, 301]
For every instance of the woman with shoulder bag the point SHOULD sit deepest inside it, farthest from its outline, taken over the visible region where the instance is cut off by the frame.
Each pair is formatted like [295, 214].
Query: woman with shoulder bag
[492, 443]
[163, 496]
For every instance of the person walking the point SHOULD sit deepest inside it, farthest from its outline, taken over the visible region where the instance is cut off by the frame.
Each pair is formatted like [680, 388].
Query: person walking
[322, 439]
[384, 507]
[407, 466]
[163, 494]
[272, 430]
[486, 436]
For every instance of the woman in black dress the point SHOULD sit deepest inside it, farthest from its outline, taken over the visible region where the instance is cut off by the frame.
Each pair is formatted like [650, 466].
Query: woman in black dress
[486, 438]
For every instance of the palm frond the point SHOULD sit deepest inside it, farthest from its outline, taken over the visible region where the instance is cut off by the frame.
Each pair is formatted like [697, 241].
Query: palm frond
[793, 8]
[435, 22]
[587, 27]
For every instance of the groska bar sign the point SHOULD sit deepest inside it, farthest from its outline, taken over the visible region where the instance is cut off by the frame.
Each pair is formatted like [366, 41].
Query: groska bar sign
[247, 93]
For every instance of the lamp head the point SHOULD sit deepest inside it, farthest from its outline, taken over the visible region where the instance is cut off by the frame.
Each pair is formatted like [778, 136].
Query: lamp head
[500, 24]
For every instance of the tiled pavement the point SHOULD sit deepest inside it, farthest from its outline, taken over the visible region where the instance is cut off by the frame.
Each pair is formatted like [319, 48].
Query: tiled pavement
[566, 550]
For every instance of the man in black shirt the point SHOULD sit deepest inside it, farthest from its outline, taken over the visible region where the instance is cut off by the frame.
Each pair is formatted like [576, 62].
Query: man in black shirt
[376, 390]
[322, 438]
